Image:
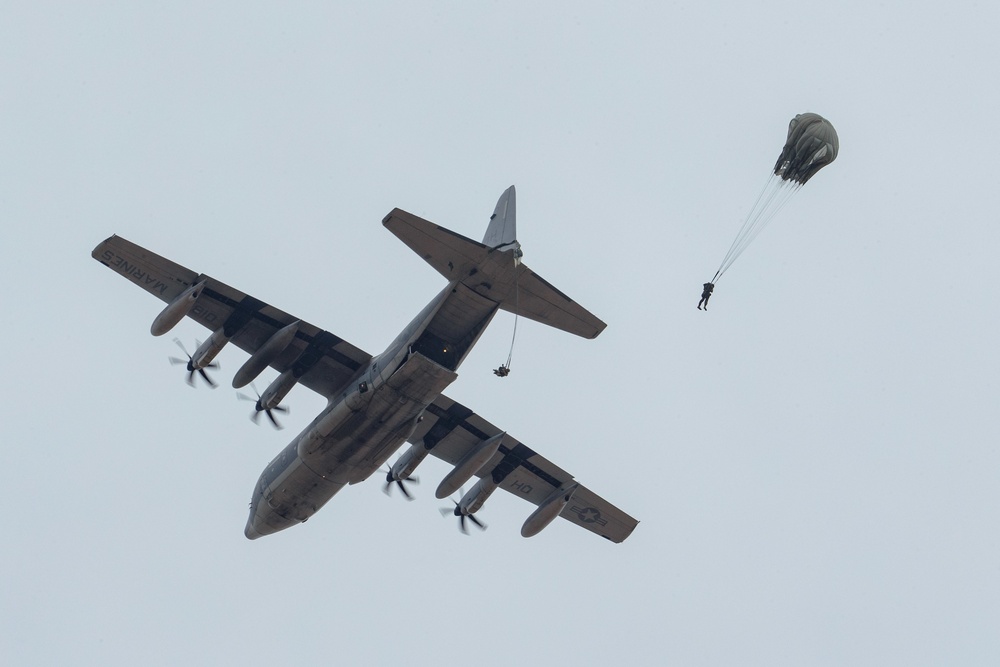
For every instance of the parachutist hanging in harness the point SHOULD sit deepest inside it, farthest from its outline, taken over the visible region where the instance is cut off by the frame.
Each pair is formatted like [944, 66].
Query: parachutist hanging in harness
[706, 292]
[504, 369]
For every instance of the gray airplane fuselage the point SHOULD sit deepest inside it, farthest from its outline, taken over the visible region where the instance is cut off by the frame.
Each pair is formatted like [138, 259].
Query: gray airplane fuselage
[361, 428]
[375, 404]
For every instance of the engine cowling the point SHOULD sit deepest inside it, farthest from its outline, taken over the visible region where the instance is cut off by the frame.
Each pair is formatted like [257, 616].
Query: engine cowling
[277, 390]
[408, 462]
[208, 350]
[176, 310]
[471, 502]
[475, 497]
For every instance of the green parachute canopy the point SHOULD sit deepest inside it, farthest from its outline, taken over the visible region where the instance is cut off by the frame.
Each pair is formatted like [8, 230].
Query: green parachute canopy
[812, 144]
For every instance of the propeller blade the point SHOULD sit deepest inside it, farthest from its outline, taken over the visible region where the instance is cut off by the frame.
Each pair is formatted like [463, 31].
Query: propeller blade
[401, 483]
[456, 511]
[204, 375]
[255, 415]
[190, 366]
[181, 345]
[273, 420]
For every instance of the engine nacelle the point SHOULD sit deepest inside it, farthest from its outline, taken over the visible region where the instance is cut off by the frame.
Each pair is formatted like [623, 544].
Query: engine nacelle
[473, 500]
[267, 353]
[409, 461]
[176, 310]
[548, 511]
[277, 390]
[208, 350]
[470, 464]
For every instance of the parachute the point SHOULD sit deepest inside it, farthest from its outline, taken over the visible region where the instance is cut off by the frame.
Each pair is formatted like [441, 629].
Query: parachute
[812, 144]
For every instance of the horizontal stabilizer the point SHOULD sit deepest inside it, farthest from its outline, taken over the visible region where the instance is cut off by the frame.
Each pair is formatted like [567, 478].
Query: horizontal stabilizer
[538, 300]
[492, 273]
[453, 255]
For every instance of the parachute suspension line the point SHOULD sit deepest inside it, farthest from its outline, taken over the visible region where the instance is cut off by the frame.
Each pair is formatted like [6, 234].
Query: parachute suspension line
[787, 191]
[753, 223]
[759, 221]
[778, 192]
[517, 310]
[743, 229]
[504, 369]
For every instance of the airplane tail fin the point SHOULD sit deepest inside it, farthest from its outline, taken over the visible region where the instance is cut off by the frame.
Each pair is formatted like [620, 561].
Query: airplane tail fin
[503, 222]
[493, 268]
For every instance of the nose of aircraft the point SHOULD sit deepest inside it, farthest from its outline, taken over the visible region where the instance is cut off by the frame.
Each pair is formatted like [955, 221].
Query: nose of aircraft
[254, 525]
[251, 531]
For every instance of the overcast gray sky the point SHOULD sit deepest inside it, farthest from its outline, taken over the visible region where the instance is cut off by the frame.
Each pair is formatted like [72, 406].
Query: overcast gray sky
[814, 461]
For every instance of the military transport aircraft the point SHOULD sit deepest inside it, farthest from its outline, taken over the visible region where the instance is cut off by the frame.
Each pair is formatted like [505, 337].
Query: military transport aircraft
[376, 403]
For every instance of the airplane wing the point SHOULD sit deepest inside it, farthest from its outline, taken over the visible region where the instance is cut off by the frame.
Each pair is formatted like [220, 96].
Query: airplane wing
[327, 362]
[450, 429]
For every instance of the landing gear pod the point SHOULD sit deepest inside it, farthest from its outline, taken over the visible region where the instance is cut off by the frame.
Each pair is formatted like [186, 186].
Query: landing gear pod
[176, 310]
[547, 511]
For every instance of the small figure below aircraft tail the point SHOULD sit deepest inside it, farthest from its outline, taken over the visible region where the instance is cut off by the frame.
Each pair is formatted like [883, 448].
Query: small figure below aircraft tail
[706, 292]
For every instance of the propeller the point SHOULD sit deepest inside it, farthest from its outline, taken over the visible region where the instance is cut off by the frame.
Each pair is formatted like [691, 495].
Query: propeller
[258, 408]
[190, 366]
[389, 479]
[457, 511]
